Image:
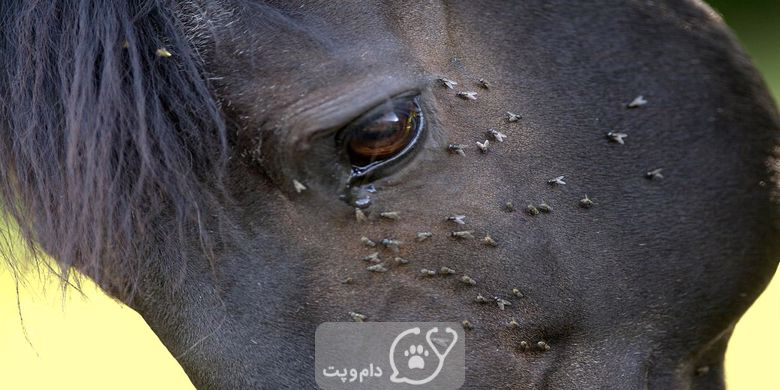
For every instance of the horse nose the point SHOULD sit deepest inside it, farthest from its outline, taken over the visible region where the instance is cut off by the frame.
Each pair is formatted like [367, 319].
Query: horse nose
[560, 364]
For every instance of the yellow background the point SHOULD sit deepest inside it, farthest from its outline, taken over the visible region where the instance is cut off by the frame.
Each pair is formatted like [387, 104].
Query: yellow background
[90, 342]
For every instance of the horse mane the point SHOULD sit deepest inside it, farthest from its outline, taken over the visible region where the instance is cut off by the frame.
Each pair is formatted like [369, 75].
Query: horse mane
[108, 142]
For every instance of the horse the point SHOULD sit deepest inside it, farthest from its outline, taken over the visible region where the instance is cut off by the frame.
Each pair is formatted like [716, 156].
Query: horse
[239, 172]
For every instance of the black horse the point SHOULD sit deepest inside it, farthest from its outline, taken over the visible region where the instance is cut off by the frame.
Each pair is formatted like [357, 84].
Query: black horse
[607, 167]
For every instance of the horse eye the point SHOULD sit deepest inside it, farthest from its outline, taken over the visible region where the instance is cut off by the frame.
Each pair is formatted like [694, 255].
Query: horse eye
[384, 134]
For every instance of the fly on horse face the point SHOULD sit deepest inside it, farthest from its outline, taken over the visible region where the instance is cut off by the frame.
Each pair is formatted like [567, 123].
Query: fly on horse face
[240, 172]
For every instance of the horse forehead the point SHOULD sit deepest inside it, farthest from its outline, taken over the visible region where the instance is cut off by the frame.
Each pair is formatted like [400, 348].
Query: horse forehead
[352, 26]
[310, 41]
[296, 35]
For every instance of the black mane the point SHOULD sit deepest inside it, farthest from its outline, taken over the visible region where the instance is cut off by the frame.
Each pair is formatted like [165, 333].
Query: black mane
[102, 132]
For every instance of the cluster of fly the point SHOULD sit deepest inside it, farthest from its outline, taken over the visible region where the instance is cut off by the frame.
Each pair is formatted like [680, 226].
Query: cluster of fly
[496, 136]
[393, 245]
[540, 346]
[536, 210]
[500, 302]
[443, 271]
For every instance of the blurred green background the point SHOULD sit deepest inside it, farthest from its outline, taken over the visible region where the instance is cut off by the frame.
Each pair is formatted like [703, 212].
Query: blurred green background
[757, 25]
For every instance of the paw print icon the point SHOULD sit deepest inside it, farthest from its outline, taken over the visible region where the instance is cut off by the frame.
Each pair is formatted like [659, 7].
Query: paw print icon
[416, 360]
[418, 355]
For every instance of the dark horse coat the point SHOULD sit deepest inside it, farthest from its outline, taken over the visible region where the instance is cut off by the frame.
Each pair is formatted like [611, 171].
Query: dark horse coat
[214, 164]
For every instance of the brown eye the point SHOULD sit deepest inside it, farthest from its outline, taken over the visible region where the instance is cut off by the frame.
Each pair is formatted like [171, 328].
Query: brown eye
[383, 134]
